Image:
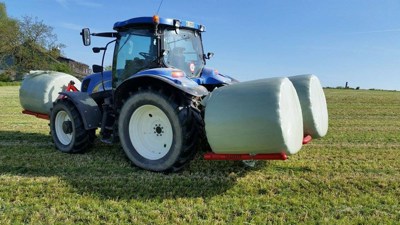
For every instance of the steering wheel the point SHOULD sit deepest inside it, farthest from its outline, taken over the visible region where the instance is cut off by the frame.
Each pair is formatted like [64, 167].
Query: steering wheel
[145, 55]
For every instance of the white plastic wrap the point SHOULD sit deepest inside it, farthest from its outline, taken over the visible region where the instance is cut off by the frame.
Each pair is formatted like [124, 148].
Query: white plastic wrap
[313, 104]
[262, 116]
[40, 89]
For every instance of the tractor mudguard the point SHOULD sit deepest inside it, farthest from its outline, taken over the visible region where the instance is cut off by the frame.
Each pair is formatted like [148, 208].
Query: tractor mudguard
[184, 85]
[87, 107]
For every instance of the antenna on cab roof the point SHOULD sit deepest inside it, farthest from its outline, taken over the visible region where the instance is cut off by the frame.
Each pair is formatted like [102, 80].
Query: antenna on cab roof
[159, 7]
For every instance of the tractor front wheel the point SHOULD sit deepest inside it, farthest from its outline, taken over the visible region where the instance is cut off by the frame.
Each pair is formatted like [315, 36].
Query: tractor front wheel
[157, 132]
[67, 130]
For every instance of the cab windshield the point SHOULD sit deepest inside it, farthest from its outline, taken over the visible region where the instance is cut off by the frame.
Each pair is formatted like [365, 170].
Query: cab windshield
[184, 51]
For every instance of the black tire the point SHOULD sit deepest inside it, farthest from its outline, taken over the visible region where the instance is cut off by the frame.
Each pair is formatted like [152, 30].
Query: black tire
[67, 129]
[147, 139]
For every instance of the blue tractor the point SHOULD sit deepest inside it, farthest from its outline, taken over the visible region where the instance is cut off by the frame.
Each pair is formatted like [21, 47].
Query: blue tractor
[162, 104]
[149, 101]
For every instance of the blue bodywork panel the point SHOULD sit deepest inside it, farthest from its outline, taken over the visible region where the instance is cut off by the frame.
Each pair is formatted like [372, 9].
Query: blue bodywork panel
[212, 77]
[168, 76]
[163, 21]
[167, 73]
[92, 83]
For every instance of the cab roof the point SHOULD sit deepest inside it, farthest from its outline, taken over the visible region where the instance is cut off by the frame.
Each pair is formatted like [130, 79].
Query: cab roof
[162, 21]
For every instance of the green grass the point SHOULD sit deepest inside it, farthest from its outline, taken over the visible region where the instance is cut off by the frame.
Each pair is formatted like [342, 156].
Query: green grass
[350, 176]
[14, 83]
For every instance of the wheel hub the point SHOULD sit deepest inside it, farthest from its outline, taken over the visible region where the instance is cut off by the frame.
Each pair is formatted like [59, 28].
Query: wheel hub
[67, 127]
[158, 129]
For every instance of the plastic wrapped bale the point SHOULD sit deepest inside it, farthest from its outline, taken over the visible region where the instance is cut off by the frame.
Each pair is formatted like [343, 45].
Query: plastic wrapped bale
[313, 104]
[40, 89]
[262, 116]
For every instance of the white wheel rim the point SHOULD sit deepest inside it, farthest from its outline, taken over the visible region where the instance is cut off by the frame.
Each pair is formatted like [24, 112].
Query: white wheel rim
[150, 132]
[64, 138]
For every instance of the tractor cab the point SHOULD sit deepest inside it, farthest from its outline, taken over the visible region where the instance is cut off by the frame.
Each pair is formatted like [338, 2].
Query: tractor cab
[144, 43]
[151, 42]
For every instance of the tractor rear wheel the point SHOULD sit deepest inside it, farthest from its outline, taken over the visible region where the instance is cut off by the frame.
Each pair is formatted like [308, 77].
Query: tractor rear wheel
[157, 131]
[67, 129]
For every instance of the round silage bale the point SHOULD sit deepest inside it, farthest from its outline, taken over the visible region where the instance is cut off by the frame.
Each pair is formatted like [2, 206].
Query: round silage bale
[313, 104]
[262, 116]
[40, 89]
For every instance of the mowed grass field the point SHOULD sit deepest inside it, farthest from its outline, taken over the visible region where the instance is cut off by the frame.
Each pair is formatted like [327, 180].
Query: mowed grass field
[352, 176]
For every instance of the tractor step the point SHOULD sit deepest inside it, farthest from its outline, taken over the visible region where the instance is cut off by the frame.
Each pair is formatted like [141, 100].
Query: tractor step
[107, 140]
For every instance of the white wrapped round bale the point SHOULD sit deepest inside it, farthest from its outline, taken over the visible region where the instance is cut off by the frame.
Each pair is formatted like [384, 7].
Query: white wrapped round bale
[262, 116]
[40, 89]
[313, 104]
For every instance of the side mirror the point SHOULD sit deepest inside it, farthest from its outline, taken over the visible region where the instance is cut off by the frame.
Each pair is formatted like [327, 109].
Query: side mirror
[209, 55]
[97, 69]
[86, 36]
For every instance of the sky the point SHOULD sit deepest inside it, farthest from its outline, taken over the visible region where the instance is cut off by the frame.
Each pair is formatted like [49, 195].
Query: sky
[354, 41]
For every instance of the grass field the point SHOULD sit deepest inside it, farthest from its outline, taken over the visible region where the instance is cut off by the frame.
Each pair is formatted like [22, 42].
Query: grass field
[350, 176]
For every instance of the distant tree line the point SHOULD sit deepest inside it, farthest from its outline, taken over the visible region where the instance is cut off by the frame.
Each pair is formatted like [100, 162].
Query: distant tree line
[27, 44]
